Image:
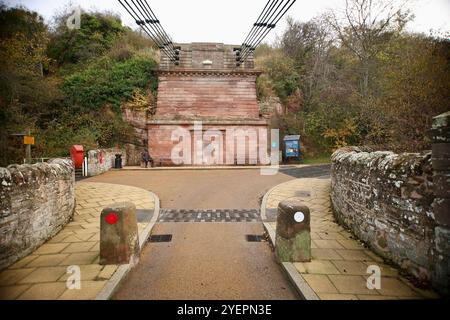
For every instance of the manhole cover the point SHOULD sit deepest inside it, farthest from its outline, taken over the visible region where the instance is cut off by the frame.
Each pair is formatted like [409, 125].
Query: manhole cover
[254, 238]
[161, 238]
[303, 194]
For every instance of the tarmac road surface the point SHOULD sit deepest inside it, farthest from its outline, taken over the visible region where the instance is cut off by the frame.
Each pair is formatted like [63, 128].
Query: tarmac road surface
[207, 261]
[198, 189]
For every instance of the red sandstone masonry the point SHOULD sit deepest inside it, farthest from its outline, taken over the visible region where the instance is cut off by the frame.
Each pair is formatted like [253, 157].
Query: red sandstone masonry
[161, 145]
[218, 93]
[192, 95]
[221, 56]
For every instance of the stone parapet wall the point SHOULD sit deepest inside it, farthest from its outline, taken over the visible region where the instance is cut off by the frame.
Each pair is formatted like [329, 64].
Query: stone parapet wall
[36, 202]
[399, 204]
[385, 199]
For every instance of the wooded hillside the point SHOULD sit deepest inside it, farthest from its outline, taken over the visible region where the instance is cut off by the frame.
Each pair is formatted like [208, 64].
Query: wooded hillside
[67, 86]
[354, 76]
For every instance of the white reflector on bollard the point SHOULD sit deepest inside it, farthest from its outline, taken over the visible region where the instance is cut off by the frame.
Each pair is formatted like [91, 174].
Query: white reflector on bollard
[299, 216]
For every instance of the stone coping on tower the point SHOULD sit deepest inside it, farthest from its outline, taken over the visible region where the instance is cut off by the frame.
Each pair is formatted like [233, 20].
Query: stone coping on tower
[208, 72]
[206, 56]
[228, 122]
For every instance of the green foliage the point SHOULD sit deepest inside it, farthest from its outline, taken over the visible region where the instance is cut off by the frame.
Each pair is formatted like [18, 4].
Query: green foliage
[264, 87]
[96, 35]
[91, 129]
[140, 100]
[109, 82]
[284, 78]
[343, 136]
[15, 21]
[23, 91]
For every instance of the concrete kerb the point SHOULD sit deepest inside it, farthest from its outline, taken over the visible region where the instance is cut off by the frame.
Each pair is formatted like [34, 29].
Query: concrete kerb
[121, 272]
[300, 284]
[270, 230]
[143, 237]
[302, 287]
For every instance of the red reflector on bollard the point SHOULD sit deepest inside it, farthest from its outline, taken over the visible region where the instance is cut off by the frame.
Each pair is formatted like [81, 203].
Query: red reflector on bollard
[111, 218]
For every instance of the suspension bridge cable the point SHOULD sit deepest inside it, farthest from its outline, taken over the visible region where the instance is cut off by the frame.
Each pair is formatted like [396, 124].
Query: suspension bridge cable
[272, 24]
[262, 25]
[142, 24]
[256, 24]
[151, 22]
[156, 38]
[158, 23]
[157, 27]
[157, 20]
[278, 20]
[268, 26]
[265, 25]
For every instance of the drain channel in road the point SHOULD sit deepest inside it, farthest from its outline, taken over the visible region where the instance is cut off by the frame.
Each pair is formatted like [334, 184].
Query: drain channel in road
[254, 238]
[210, 215]
[160, 238]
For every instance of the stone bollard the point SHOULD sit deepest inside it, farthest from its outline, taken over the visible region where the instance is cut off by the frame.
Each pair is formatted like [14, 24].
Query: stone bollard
[293, 237]
[119, 238]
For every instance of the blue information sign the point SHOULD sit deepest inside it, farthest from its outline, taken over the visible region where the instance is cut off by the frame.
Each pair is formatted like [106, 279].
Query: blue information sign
[292, 148]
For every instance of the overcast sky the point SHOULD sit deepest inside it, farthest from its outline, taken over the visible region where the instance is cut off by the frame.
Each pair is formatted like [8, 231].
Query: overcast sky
[229, 21]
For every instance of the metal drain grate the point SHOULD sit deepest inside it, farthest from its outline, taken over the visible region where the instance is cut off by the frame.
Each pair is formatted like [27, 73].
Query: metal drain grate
[161, 238]
[254, 238]
[209, 215]
[303, 194]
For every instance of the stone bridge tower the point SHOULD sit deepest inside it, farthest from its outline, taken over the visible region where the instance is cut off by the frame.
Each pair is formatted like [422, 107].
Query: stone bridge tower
[206, 86]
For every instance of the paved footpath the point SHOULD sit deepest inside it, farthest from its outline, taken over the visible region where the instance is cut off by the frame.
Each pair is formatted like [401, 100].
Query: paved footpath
[338, 270]
[43, 274]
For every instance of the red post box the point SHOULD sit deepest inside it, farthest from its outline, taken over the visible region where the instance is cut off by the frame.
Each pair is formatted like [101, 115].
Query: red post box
[77, 155]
